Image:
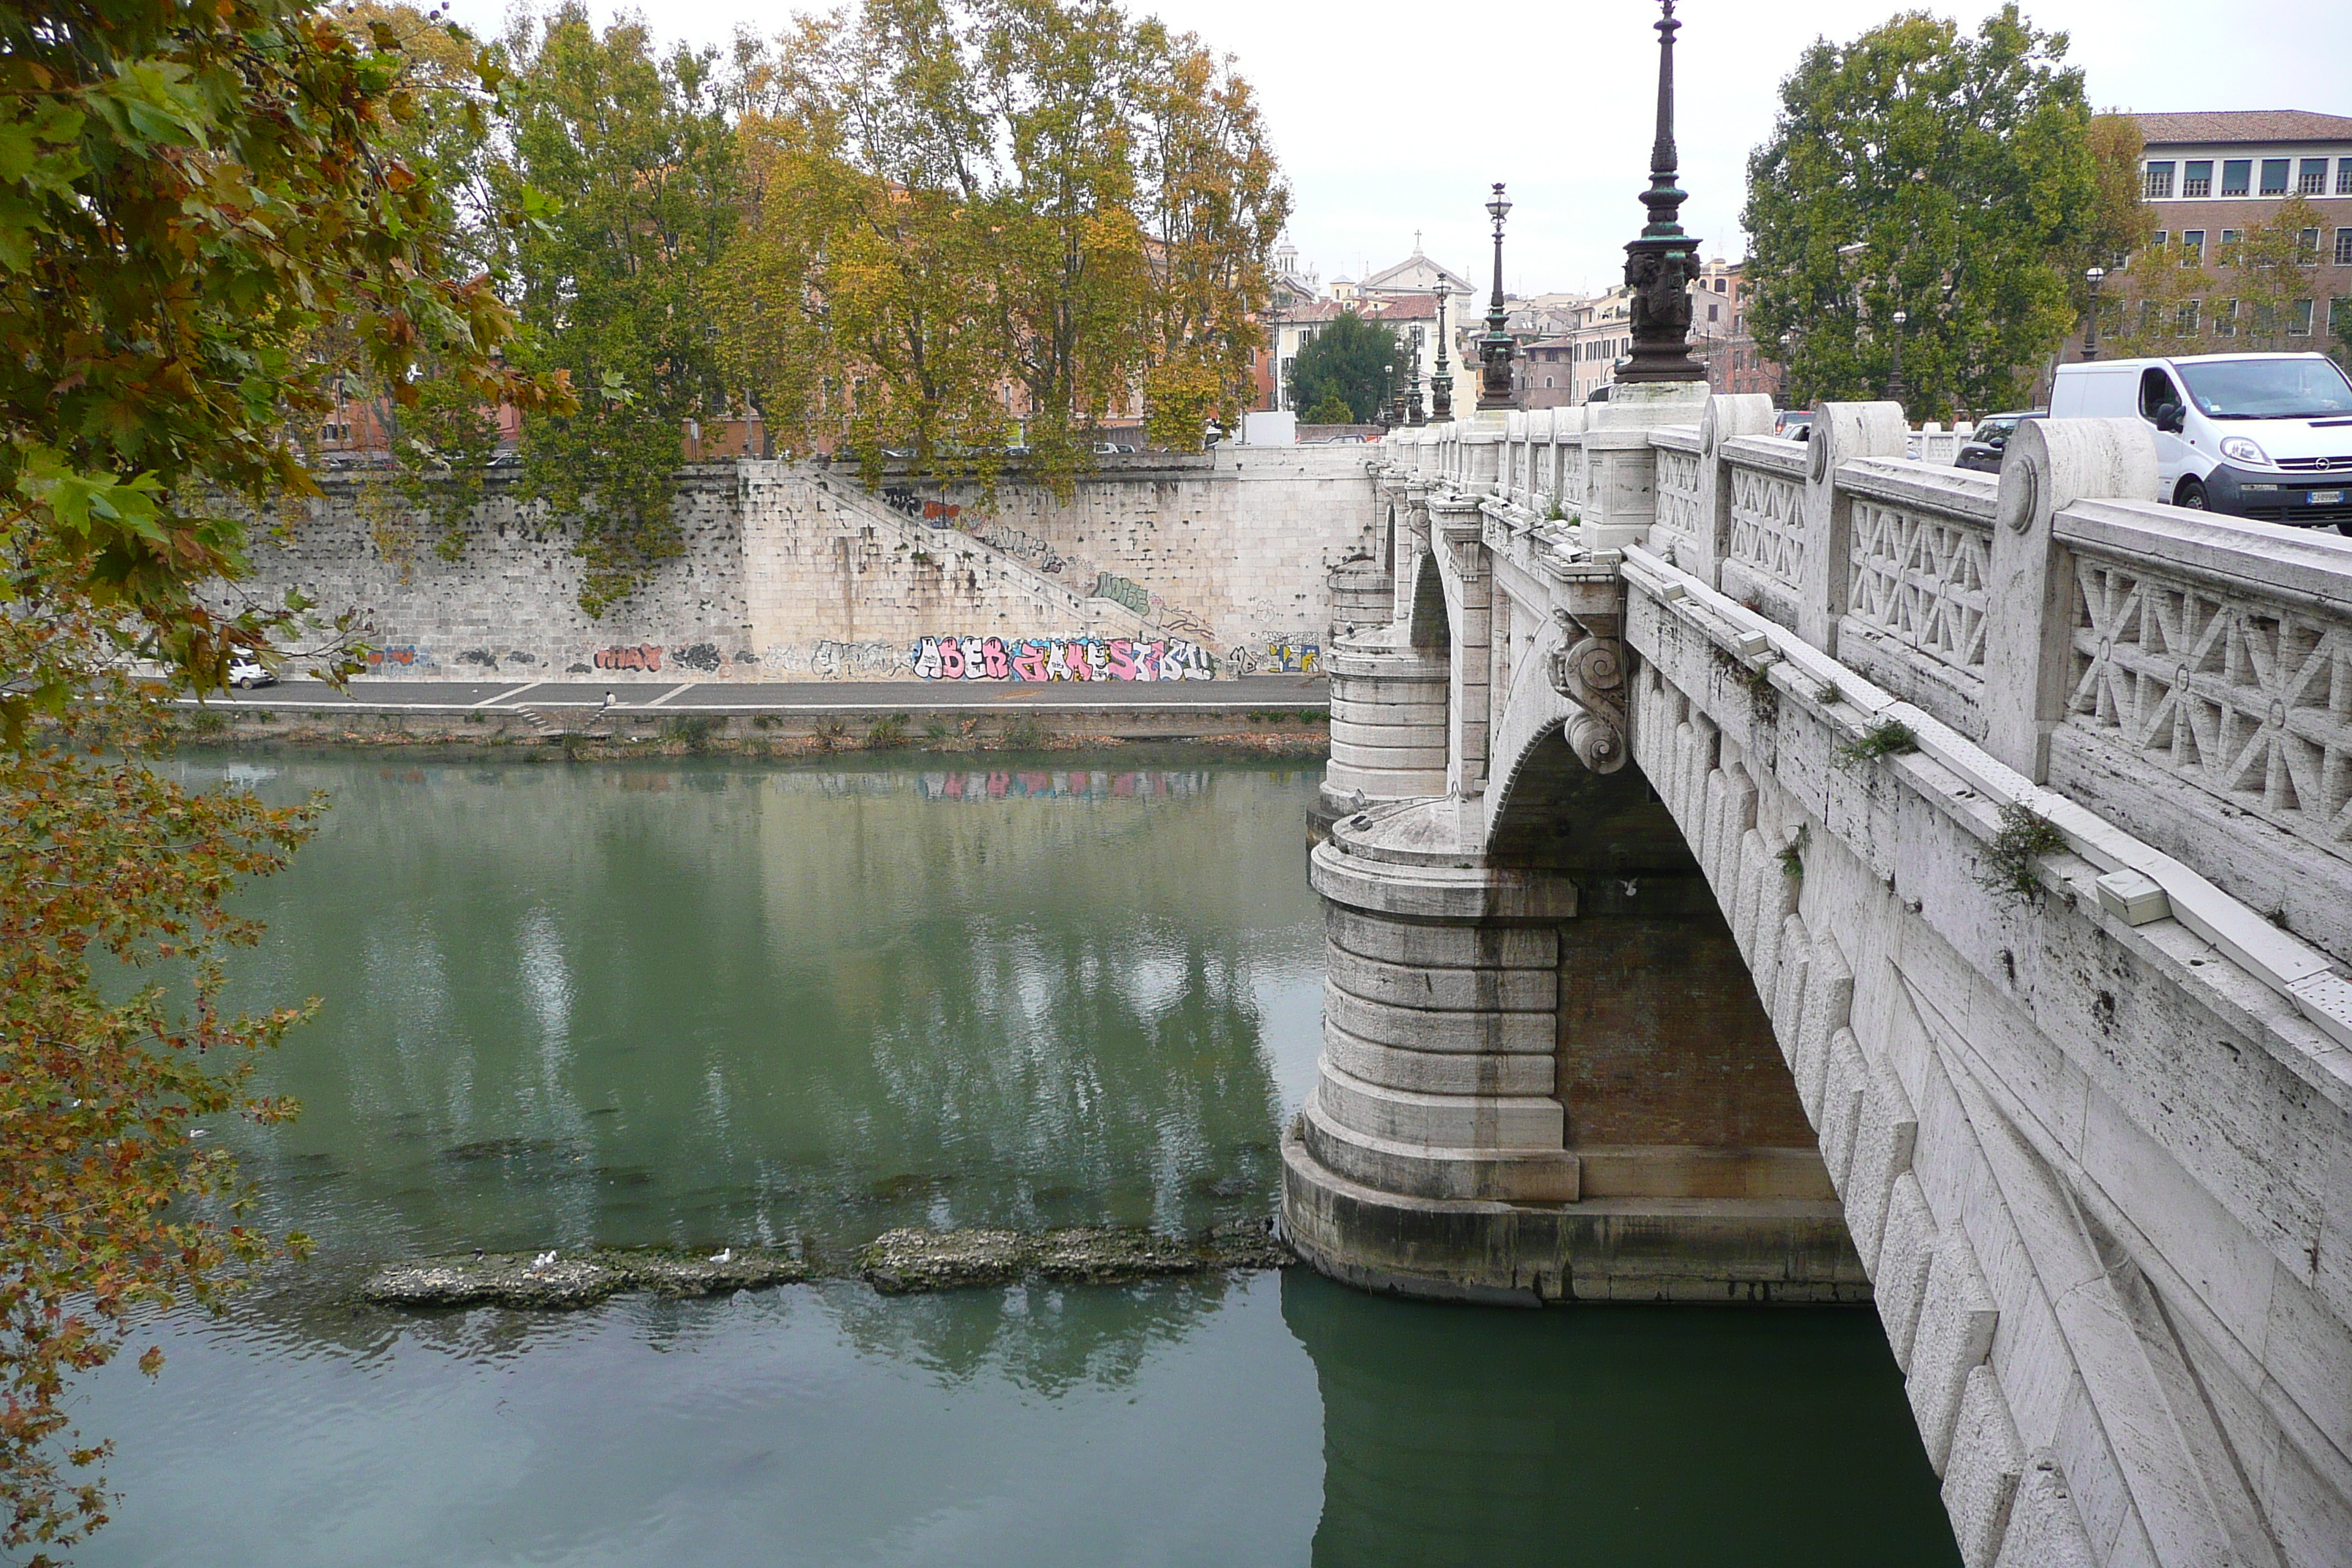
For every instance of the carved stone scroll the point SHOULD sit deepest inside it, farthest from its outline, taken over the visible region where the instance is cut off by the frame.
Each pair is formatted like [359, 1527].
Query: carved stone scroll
[1589, 671]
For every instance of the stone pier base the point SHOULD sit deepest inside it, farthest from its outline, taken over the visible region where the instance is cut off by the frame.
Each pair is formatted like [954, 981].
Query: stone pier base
[1549, 1079]
[1744, 1250]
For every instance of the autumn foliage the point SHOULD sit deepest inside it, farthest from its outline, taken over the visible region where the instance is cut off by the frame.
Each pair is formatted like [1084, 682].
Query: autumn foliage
[196, 208]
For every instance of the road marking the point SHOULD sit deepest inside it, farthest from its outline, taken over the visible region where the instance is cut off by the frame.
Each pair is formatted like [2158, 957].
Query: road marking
[662, 698]
[511, 691]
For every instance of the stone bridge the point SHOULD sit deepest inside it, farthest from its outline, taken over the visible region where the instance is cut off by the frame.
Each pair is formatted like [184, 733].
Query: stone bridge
[1764, 870]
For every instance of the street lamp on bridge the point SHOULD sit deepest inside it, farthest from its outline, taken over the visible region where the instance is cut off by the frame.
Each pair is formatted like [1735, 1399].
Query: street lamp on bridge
[1495, 348]
[1660, 265]
[2091, 322]
[1441, 384]
[1895, 371]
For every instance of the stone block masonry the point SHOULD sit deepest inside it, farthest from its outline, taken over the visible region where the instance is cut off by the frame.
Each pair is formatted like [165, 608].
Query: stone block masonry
[1220, 562]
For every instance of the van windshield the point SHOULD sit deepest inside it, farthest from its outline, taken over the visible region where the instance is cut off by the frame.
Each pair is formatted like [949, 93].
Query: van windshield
[2267, 388]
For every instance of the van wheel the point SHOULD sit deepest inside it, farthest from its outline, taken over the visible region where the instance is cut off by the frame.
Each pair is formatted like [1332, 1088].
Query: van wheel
[2191, 494]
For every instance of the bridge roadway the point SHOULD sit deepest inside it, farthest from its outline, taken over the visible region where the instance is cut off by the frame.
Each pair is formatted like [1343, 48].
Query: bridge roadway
[1764, 871]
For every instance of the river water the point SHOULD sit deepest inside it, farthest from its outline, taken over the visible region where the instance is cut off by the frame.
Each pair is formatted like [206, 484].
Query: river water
[695, 1004]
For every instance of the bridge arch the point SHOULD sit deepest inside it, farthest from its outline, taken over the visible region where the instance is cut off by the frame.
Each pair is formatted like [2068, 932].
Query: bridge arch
[2081, 1114]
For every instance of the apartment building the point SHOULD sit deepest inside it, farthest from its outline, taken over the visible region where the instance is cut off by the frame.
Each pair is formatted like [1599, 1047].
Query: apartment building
[2211, 175]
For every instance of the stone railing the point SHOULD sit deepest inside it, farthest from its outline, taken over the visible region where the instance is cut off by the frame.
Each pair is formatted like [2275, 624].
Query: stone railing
[2189, 677]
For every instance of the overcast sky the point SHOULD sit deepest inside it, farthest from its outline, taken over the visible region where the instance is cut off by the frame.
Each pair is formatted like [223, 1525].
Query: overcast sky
[1352, 95]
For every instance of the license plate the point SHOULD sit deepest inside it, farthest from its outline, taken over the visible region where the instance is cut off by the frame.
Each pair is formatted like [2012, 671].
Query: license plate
[2327, 498]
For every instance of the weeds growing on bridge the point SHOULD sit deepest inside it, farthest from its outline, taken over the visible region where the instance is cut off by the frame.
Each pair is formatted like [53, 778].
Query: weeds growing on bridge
[886, 734]
[1887, 738]
[1792, 855]
[2011, 858]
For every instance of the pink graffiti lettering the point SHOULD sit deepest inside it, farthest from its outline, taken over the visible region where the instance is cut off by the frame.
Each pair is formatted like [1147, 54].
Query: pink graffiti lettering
[644, 655]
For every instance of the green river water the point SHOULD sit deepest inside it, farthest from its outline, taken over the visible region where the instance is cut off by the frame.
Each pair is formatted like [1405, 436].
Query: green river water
[696, 1003]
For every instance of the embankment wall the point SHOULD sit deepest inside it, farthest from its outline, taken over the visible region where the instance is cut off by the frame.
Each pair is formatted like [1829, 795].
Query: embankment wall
[795, 571]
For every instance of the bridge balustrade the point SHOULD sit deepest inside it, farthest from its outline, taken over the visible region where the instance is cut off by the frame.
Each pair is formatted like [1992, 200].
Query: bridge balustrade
[2019, 807]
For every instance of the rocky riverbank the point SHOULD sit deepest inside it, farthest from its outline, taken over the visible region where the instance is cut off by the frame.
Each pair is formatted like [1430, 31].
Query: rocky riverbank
[896, 1262]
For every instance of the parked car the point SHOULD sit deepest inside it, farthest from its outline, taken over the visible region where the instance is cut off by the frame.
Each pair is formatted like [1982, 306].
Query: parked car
[1796, 423]
[2259, 436]
[246, 672]
[1983, 449]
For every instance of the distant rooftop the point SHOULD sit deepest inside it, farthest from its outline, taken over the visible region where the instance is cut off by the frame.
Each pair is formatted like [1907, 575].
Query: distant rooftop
[2244, 125]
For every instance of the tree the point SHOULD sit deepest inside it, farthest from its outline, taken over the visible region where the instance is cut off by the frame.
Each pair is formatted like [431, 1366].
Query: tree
[1001, 212]
[192, 199]
[1947, 177]
[2271, 274]
[1348, 361]
[625, 158]
[1330, 409]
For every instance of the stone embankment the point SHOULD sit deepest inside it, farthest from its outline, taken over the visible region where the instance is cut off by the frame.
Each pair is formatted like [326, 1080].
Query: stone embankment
[1272, 732]
[898, 1262]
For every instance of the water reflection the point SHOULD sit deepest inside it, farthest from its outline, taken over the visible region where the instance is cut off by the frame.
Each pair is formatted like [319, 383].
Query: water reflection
[689, 1005]
[697, 1003]
[1606, 1435]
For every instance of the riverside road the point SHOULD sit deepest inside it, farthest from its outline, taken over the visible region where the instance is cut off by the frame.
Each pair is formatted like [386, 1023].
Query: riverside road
[1308, 692]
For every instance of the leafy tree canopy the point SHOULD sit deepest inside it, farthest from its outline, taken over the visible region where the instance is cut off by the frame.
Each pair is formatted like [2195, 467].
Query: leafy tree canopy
[973, 220]
[1951, 177]
[1346, 361]
[623, 155]
[200, 224]
[1330, 409]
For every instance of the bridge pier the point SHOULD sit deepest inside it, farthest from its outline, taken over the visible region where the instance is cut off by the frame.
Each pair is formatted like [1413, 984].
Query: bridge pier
[1547, 1083]
[2024, 804]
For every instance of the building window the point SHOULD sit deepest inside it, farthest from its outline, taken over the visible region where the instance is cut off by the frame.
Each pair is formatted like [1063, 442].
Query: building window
[1719, 284]
[2274, 176]
[2311, 180]
[2299, 320]
[2344, 242]
[2343, 176]
[2236, 175]
[2339, 316]
[2306, 244]
[2159, 180]
[2147, 309]
[2197, 177]
[1714, 311]
[2225, 318]
[2229, 240]
[2162, 240]
[2192, 246]
[2186, 326]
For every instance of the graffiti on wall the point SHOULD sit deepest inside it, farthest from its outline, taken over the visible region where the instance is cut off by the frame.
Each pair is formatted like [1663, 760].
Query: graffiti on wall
[1293, 658]
[1111, 585]
[405, 655]
[1022, 546]
[845, 658]
[907, 503]
[1060, 659]
[644, 655]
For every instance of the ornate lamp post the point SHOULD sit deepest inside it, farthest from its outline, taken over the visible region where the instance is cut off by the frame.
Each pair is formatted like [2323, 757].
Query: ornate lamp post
[1660, 265]
[1441, 384]
[1495, 348]
[1389, 401]
[1894, 371]
[2091, 323]
[1413, 389]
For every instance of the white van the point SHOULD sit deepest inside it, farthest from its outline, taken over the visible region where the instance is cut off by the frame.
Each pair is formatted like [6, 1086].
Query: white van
[2262, 436]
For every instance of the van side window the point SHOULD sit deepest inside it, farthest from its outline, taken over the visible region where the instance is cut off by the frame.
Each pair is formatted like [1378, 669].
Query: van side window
[2155, 392]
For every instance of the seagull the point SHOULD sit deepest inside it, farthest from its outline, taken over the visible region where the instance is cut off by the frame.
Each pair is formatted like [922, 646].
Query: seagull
[724, 1255]
[544, 1260]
